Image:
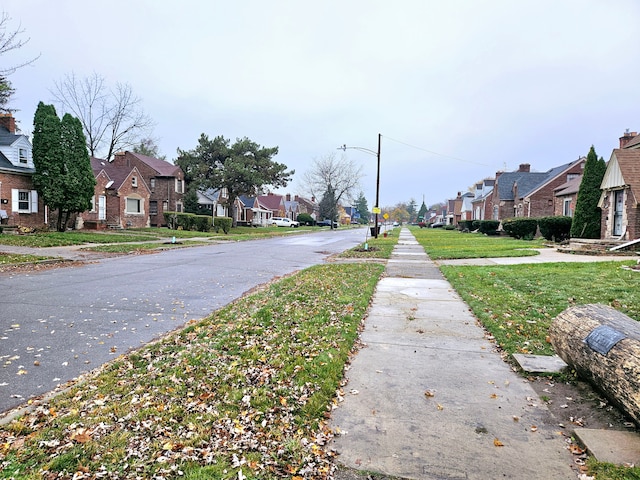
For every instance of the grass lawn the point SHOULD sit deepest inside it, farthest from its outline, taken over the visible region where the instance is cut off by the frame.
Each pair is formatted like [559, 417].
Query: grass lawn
[449, 244]
[244, 393]
[11, 258]
[61, 239]
[517, 303]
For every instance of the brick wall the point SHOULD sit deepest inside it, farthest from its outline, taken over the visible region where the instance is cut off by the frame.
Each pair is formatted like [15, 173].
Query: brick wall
[12, 181]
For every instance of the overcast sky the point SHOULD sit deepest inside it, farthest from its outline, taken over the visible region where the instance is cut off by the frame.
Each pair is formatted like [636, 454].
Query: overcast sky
[458, 89]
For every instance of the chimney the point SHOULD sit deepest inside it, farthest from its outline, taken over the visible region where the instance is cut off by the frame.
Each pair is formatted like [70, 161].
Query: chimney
[498, 173]
[288, 197]
[8, 122]
[627, 137]
[524, 167]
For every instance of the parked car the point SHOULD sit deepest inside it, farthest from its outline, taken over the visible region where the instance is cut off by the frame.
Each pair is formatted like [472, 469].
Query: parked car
[284, 222]
[327, 223]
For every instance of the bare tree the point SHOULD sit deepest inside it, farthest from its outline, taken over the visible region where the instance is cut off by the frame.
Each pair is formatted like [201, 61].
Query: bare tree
[10, 40]
[112, 118]
[333, 178]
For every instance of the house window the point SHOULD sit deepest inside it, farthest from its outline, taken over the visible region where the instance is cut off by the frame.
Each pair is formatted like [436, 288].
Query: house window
[152, 184]
[153, 207]
[134, 181]
[93, 204]
[24, 201]
[179, 184]
[567, 207]
[178, 207]
[134, 205]
[572, 176]
[22, 154]
[165, 206]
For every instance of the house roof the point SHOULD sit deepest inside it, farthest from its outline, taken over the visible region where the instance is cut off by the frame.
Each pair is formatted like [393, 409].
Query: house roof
[6, 137]
[633, 143]
[272, 202]
[526, 181]
[5, 164]
[116, 173]
[553, 174]
[162, 167]
[567, 188]
[623, 169]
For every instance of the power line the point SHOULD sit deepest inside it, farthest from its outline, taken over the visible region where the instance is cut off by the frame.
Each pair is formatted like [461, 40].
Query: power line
[435, 153]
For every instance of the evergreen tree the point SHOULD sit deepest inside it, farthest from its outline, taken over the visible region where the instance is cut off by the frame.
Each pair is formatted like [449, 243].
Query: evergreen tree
[411, 210]
[422, 212]
[363, 208]
[63, 178]
[191, 201]
[587, 214]
[328, 208]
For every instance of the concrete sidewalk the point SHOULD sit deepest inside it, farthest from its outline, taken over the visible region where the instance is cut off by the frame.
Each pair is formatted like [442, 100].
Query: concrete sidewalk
[428, 397]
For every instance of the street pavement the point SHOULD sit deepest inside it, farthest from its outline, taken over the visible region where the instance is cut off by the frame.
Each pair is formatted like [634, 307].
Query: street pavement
[429, 397]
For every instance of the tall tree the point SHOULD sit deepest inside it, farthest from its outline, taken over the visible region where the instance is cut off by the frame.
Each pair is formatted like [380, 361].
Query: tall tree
[587, 216]
[112, 119]
[63, 176]
[6, 91]
[412, 210]
[362, 207]
[242, 168]
[328, 207]
[422, 212]
[337, 176]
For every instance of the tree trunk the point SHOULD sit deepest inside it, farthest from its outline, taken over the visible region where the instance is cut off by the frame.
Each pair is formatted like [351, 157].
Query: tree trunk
[603, 346]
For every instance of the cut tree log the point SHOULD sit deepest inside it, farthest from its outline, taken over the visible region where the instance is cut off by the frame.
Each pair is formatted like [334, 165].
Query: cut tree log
[603, 346]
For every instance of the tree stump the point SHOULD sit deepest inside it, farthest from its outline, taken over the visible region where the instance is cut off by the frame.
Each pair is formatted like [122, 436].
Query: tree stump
[603, 346]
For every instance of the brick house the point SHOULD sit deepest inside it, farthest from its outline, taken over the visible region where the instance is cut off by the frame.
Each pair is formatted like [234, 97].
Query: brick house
[121, 198]
[524, 193]
[19, 202]
[620, 199]
[165, 181]
[566, 196]
[274, 203]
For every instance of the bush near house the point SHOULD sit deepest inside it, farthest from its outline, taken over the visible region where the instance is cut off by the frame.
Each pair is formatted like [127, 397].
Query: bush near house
[188, 221]
[488, 227]
[555, 228]
[520, 228]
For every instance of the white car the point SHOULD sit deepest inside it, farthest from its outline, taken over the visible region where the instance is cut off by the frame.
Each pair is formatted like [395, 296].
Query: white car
[284, 222]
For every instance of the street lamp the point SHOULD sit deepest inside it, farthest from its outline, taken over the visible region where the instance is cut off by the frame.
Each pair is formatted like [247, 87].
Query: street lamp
[376, 209]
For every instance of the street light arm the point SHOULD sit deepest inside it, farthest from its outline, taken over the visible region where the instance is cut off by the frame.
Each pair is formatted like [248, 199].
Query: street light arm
[362, 149]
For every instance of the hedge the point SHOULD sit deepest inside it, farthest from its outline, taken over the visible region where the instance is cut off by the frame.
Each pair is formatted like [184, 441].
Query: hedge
[520, 227]
[488, 227]
[188, 221]
[555, 228]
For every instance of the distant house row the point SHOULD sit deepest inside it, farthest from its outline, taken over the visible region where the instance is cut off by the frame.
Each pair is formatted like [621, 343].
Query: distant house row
[132, 190]
[523, 193]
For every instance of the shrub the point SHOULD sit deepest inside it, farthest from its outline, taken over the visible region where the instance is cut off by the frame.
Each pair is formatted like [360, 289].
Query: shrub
[555, 228]
[488, 227]
[520, 227]
[188, 221]
[466, 225]
[305, 219]
[223, 223]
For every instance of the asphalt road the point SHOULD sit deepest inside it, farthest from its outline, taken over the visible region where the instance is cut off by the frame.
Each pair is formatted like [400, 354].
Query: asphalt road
[57, 324]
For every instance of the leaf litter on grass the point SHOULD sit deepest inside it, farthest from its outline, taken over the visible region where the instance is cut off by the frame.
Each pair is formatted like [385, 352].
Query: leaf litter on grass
[244, 393]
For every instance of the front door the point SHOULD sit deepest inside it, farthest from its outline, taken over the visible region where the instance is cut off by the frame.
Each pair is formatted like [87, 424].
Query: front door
[102, 207]
[617, 212]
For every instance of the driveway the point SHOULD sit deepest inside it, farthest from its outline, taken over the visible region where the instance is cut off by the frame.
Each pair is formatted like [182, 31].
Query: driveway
[60, 323]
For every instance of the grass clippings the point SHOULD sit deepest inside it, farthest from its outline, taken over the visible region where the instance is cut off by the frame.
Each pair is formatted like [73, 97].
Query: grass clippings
[243, 394]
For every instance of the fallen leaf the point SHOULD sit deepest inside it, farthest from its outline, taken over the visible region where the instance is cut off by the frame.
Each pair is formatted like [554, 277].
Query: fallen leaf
[440, 407]
[429, 393]
[498, 443]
